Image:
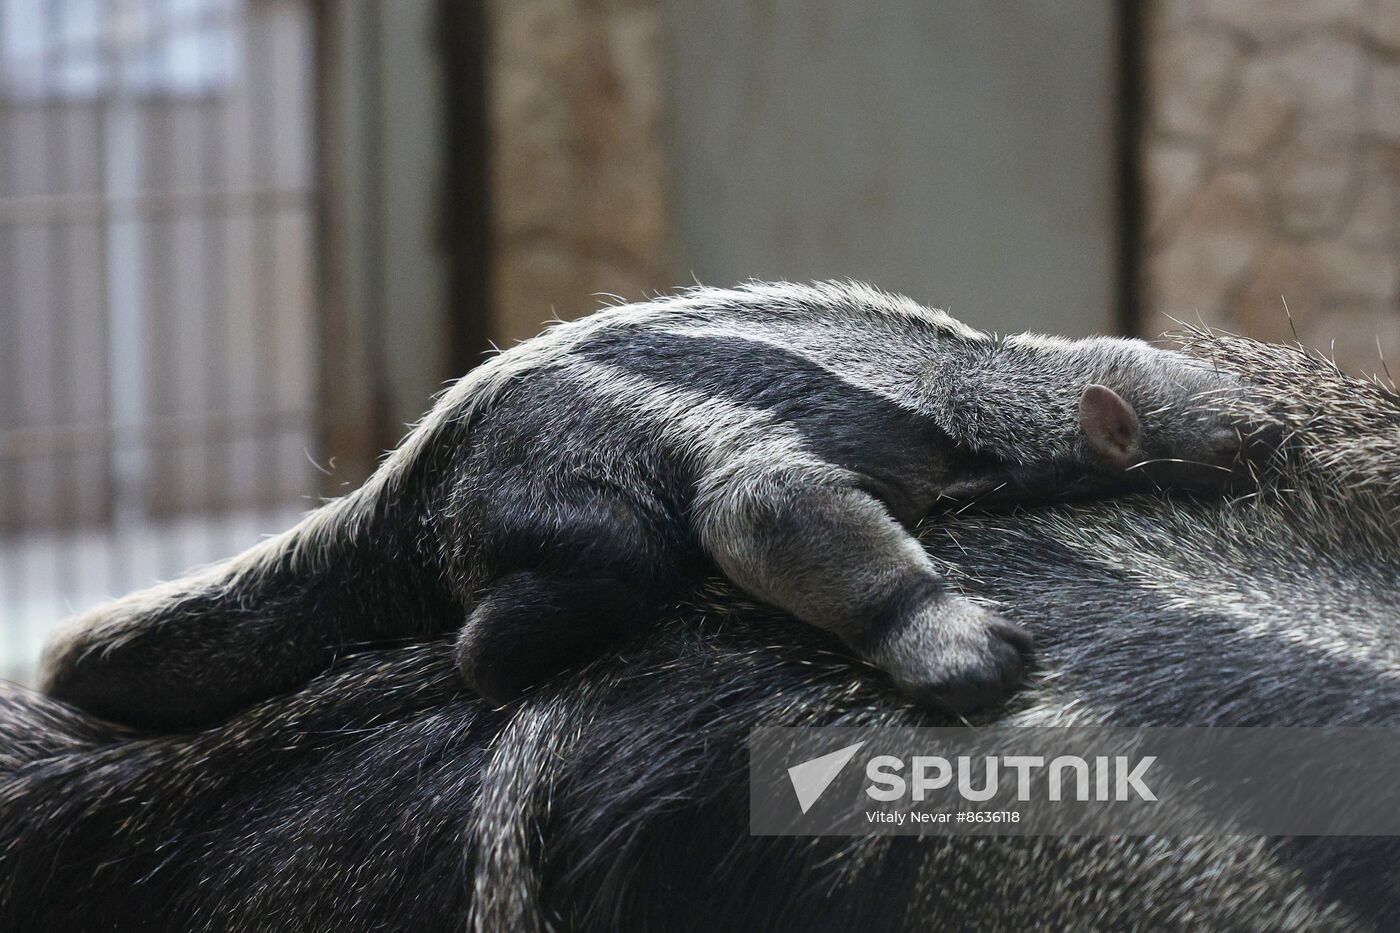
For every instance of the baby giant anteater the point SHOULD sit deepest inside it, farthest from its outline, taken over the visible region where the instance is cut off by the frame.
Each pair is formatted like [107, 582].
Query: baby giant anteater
[566, 492]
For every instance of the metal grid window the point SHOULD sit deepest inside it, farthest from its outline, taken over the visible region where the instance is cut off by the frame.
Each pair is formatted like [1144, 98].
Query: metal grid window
[157, 366]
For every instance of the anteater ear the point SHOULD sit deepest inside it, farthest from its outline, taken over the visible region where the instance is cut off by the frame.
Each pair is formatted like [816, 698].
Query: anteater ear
[1110, 426]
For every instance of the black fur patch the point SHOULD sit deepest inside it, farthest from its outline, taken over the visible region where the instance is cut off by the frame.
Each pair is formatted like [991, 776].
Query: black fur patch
[841, 423]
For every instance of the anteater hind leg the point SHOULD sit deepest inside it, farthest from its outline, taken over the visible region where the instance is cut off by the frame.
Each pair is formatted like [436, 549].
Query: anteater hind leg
[529, 626]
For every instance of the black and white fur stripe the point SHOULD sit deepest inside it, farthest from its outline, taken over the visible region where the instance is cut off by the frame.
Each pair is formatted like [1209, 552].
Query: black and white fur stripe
[381, 795]
[564, 493]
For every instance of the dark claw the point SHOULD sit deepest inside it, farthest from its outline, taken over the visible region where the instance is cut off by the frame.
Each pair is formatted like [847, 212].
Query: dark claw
[988, 683]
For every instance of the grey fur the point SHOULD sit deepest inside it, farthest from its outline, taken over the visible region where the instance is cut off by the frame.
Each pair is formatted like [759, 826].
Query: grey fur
[560, 496]
[383, 796]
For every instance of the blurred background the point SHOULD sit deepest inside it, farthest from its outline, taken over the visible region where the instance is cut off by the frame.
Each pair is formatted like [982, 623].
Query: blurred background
[242, 242]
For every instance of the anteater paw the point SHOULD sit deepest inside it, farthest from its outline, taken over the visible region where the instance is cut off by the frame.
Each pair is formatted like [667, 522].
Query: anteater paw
[955, 656]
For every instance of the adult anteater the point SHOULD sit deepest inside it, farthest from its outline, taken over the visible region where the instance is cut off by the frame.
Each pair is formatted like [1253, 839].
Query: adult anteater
[383, 796]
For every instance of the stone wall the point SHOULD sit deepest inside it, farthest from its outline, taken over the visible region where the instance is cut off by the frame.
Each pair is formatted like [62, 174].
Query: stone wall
[1271, 165]
[1272, 160]
[578, 157]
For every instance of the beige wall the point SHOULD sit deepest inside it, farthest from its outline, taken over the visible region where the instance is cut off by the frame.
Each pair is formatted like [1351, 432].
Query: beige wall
[960, 152]
[1271, 153]
[577, 158]
[956, 154]
[1272, 160]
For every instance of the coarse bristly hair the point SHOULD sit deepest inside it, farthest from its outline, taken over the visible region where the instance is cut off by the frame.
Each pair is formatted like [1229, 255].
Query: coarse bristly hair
[383, 796]
[566, 493]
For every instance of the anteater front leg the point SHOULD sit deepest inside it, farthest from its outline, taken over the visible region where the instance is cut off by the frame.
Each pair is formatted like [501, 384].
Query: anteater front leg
[832, 555]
